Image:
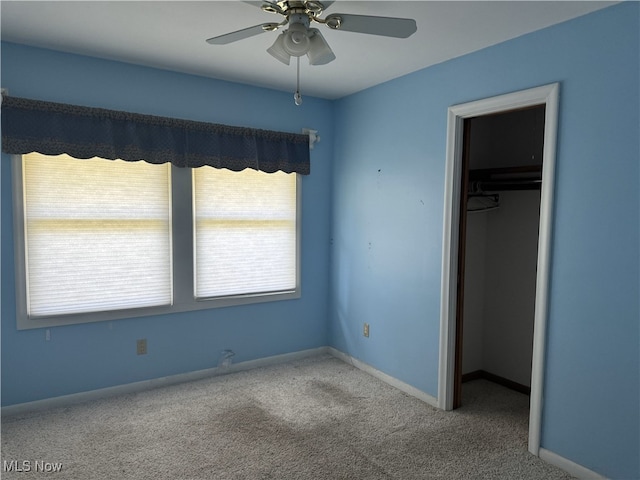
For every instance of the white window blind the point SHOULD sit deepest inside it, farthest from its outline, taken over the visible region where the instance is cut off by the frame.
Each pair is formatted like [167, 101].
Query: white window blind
[98, 234]
[245, 232]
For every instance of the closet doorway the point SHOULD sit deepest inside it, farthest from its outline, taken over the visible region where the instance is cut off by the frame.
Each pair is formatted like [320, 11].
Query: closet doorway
[461, 179]
[498, 246]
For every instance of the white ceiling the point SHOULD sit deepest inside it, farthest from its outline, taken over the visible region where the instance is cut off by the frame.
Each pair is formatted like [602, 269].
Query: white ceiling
[171, 35]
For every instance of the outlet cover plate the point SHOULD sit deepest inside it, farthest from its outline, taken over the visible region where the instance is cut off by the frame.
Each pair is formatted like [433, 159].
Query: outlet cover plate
[141, 346]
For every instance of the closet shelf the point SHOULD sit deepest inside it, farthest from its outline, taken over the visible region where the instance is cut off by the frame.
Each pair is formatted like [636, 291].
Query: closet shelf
[486, 180]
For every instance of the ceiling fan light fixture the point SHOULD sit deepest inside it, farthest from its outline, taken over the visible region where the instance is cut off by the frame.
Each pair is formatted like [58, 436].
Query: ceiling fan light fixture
[296, 40]
[319, 51]
[278, 51]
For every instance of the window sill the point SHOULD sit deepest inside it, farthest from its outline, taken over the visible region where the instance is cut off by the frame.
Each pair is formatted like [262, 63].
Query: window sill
[24, 322]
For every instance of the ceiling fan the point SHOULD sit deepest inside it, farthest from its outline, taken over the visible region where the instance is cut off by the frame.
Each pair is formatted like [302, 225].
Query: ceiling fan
[299, 39]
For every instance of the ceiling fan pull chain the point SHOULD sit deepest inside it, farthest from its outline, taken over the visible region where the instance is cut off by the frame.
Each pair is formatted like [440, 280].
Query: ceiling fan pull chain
[297, 98]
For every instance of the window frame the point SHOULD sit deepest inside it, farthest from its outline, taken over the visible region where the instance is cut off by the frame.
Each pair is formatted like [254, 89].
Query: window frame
[183, 242]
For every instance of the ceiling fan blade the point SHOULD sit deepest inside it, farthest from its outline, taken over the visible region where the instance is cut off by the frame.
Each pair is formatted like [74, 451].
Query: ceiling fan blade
[326, 4]
[385, 26]
[240, 34]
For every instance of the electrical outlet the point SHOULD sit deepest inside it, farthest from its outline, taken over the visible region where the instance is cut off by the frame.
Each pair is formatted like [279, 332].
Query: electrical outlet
[141, 346]
[365, 330]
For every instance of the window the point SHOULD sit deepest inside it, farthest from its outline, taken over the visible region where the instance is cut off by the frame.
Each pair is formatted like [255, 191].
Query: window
[97, 234]
[245, 232]
[102, 239]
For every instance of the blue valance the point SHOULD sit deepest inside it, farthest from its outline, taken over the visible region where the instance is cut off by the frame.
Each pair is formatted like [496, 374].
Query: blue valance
[84, 132]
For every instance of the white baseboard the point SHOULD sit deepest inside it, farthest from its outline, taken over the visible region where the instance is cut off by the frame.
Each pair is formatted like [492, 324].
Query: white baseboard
[568, 466]
[394, 382]
[136, 387]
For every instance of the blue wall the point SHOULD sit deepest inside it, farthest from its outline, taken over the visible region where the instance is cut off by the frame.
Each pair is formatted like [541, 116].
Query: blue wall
[91, 356]
[388, 183]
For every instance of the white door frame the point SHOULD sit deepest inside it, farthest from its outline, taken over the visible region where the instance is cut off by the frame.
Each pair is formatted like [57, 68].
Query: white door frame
[545, 95]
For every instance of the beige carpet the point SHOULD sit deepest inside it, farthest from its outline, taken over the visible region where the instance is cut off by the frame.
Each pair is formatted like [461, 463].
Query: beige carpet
[316, 418]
